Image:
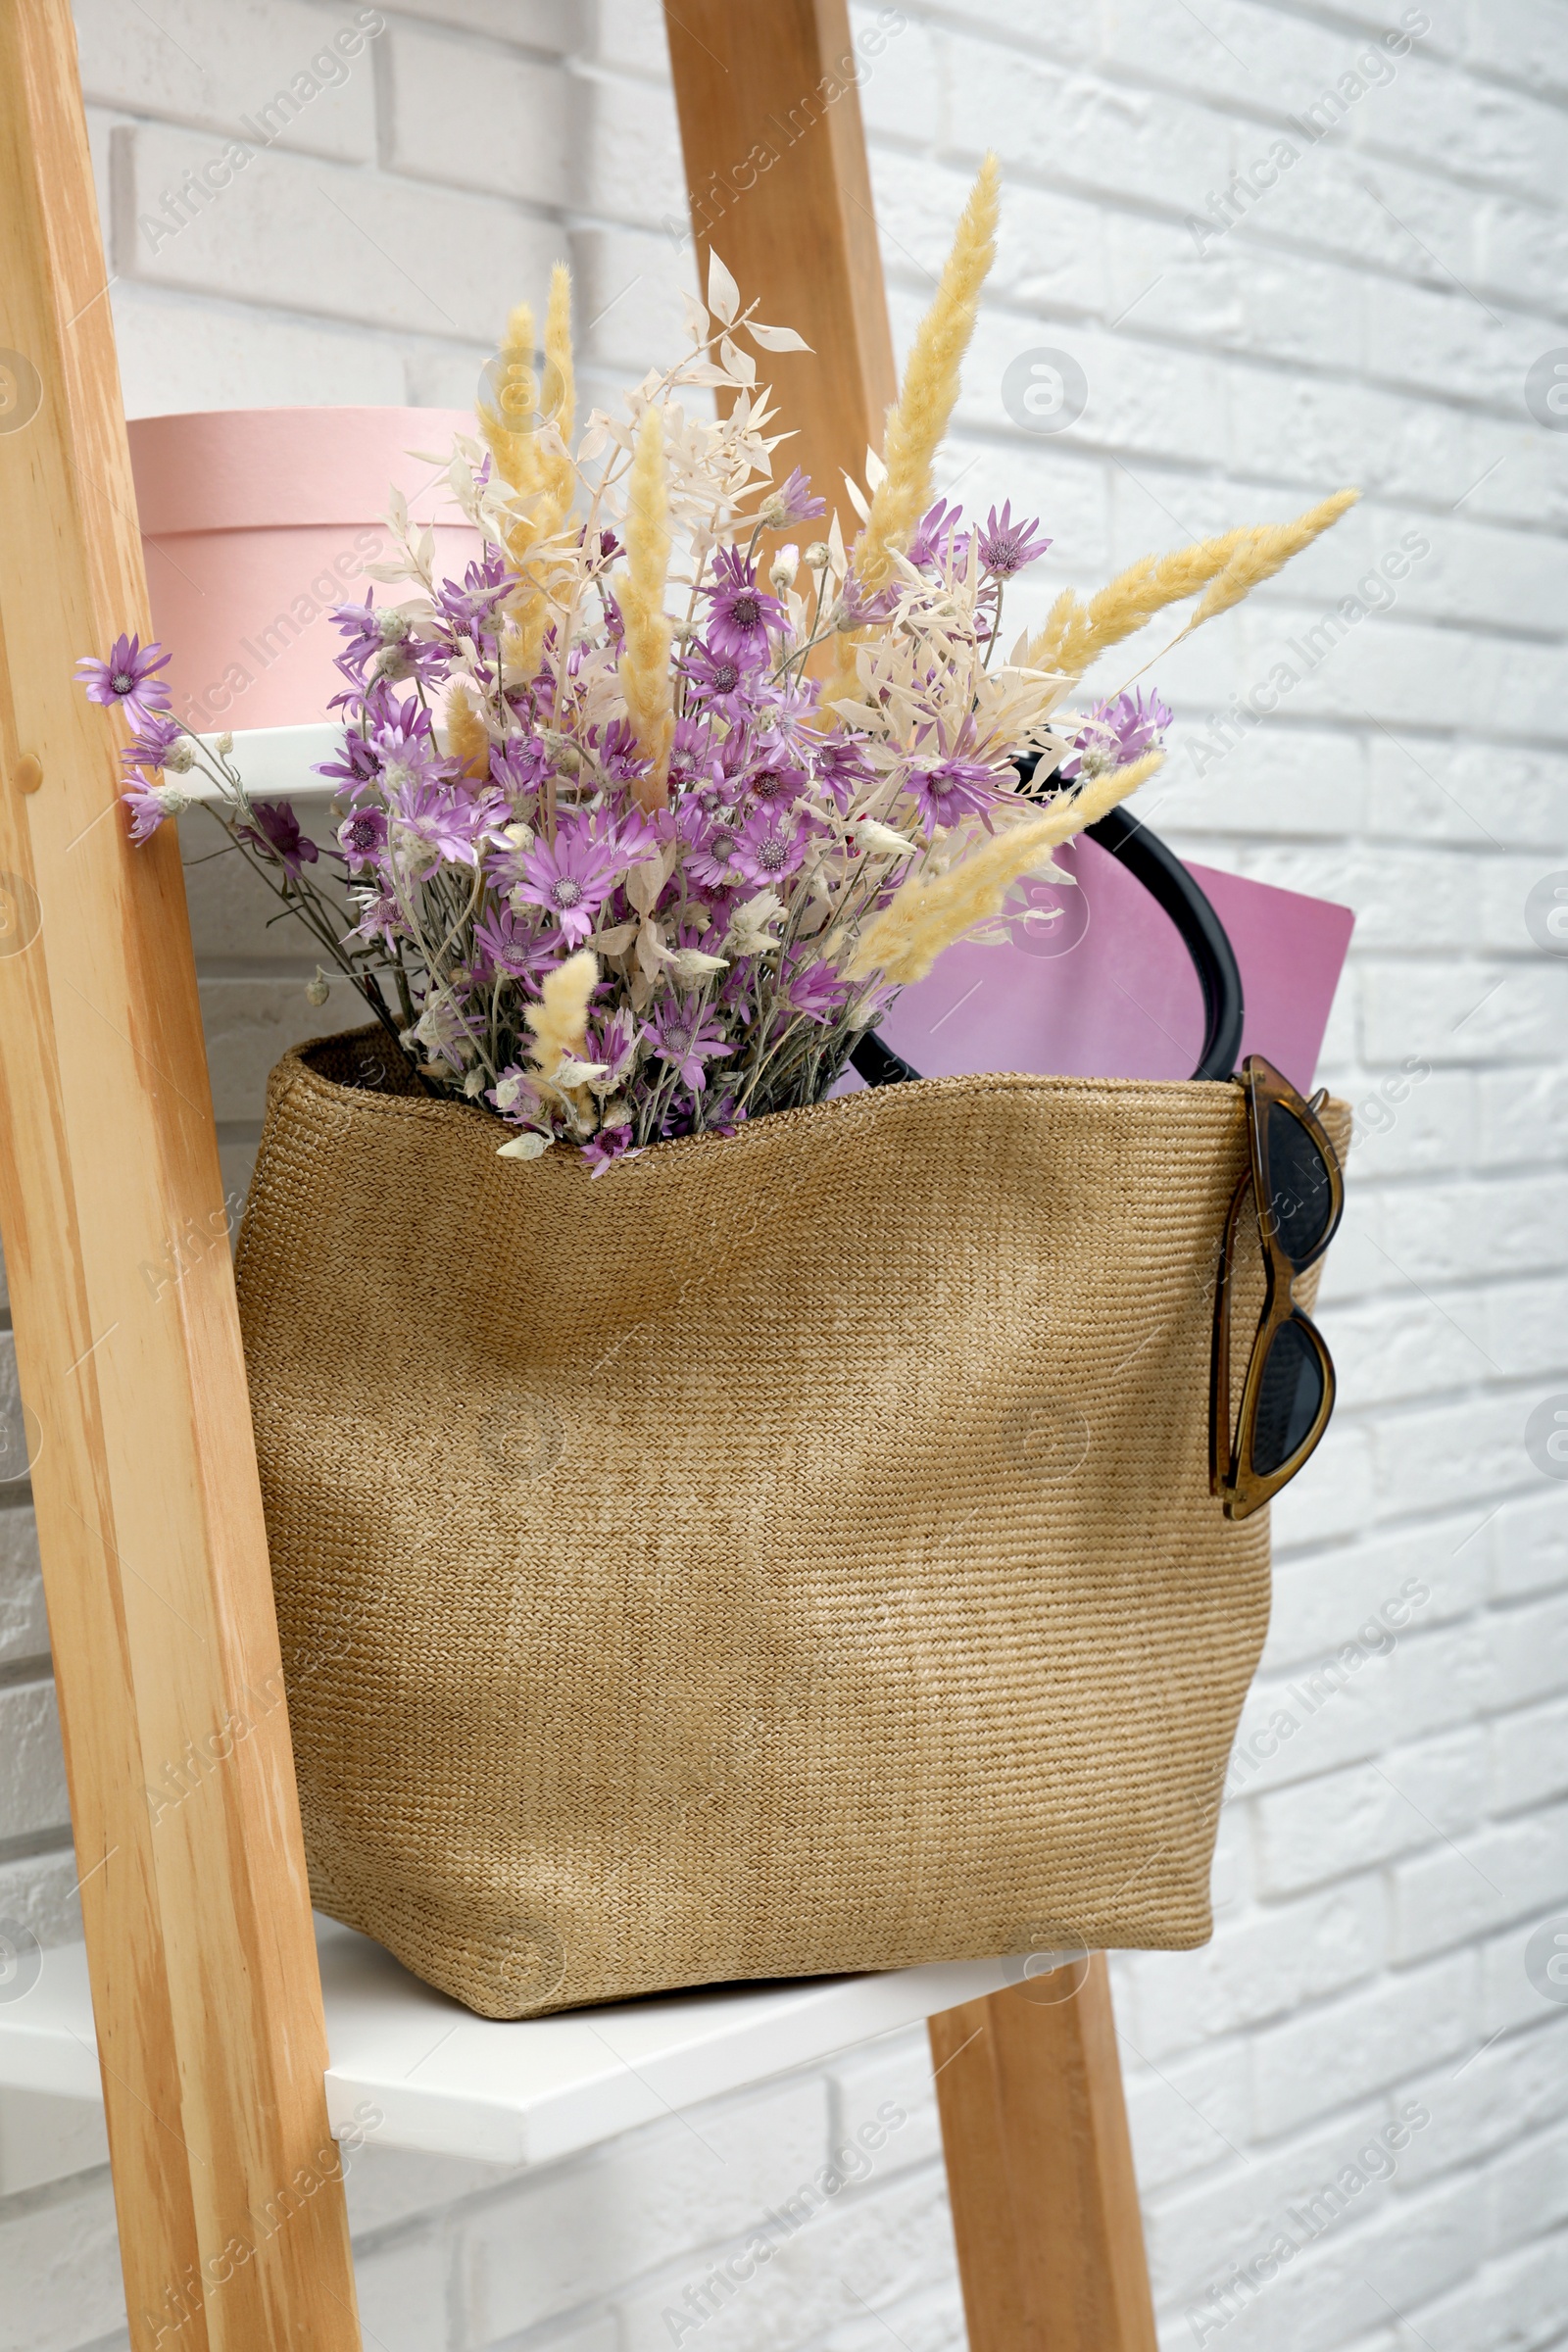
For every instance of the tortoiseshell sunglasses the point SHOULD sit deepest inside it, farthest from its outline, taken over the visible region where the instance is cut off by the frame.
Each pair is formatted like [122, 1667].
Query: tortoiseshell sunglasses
[1288, 1396]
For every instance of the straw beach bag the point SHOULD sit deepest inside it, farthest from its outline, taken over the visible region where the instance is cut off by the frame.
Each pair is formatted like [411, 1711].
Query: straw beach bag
[789, 1553]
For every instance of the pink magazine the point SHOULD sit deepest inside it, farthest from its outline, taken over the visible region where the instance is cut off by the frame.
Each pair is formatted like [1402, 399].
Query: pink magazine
[1095, 981]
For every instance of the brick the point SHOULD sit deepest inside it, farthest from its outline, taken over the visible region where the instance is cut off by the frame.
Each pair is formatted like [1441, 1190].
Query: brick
[1261, 1968]
[626, 36]
[1527, 2191]
[1333, 1496]
[478, 119]
[173, 360]
[1480, 1883]
[898, 2072]
[1338, 1595]
[1424, 1347]
[547, 26]
[1449, 1456]
[1523, 1116]
[630, 156]
[1522, 41]
[1439, 1680]
[1489, 2101]
[32, 1768]
[388, 2185]
[1122, 140]
[581, 2232]
[315, 238]
[1188, 2114]
[1529, 1756]
[401, 2292]
[1197, 2240]
[861, 2251]
[217, 67]
[905, 76]
[1343, 2050]
[44, 2138]
[631, 286]
[1524, 2294]
[24, 1625]
[40, 1892]
[1237, 294]
[1529, 1647]
[1348, 1820]
[1050, 247]
[1436, 792]
[1530, 1546]
[250, 1023]
[59, 2260]
[1462, 1012]
[1413, 1121]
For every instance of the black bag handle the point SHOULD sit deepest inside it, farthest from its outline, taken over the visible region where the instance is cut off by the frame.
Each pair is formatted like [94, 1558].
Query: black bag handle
[1204, 937]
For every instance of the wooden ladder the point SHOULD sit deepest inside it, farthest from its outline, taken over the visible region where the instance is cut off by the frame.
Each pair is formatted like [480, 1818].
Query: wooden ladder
[206, 1993]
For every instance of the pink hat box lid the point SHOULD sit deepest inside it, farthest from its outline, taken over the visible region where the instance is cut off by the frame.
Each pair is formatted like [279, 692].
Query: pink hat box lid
[242, 469]
[257, 522]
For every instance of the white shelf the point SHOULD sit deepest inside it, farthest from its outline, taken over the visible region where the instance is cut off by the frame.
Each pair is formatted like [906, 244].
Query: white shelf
[523, 2094]
[275, 764]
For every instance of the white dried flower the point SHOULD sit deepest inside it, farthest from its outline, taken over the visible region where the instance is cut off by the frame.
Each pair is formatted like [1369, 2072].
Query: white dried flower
[225, 744]
[317, 989]
[530, 1146]
[181, 758]
[172, 799]
[818, 556]
[687, 965]
[749, 933]
[786, 563]
[871, 834]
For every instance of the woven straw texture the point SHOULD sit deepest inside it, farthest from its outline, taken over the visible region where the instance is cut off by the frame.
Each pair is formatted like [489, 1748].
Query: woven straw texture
[785, 1555]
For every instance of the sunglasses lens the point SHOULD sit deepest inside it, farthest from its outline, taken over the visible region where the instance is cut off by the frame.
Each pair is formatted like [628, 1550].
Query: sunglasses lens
[1288, 1400]
[1298, 1179]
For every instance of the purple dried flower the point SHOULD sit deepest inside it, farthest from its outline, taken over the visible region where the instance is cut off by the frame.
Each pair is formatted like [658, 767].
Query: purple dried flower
[148, 810]
[686, 1035]
[276, 834]
[768, 847]
[1005, 546]
[610, 1144]
[125, 681]
[572, 879]
[791, 503]
[1118, 732]
[362, 838]
[936, 525]
[812, 988]
[151, 746]
[953, 789]
[740, 613]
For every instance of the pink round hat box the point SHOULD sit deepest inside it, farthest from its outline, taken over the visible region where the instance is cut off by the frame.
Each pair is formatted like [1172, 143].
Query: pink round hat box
[255, 522]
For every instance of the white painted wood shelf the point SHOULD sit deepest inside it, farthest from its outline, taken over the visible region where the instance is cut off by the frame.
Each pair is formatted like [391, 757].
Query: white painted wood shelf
[456, 2085]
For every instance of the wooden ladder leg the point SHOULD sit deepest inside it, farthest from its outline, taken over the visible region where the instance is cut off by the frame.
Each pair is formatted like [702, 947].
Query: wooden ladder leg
[1040, 2168]
[205, 1997]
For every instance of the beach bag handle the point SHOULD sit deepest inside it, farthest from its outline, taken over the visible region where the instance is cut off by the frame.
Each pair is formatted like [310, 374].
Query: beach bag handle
[1204, 937]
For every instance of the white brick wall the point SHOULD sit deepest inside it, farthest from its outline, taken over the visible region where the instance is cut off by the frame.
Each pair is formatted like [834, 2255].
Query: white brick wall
[1400, 1822]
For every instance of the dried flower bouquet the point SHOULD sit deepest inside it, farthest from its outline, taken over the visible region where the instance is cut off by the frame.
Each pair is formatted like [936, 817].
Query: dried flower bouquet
[641, 840]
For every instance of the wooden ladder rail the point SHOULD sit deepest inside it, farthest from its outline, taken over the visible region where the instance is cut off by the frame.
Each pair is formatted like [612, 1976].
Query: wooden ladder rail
[232, 2226]
[1034, 2123]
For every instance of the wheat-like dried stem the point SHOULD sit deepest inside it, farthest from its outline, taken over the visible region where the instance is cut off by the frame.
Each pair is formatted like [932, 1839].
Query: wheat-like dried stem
[919, 419]
[929, 914]
[645, 672]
